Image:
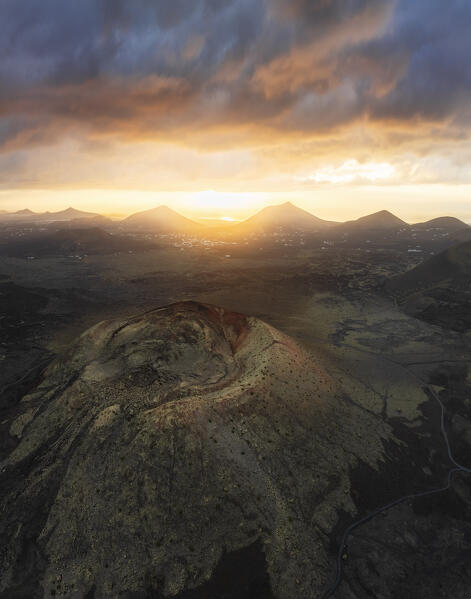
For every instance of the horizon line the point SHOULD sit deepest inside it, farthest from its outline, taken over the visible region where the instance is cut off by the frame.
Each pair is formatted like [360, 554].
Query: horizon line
[224, 219]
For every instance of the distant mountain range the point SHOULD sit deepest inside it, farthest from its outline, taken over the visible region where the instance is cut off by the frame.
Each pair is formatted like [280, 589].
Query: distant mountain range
[49, 217]
[287, 216]
[385, 220]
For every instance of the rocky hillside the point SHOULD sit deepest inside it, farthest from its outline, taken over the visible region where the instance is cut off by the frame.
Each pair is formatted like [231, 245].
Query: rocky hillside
[438, 290]
[189, 452]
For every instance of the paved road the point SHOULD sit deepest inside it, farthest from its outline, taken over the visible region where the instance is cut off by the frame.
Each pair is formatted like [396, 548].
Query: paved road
[457, 468]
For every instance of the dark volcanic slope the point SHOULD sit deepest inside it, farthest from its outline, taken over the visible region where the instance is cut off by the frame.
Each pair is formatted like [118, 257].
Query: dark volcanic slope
[454, 264]
[439, 289]
[182, 445]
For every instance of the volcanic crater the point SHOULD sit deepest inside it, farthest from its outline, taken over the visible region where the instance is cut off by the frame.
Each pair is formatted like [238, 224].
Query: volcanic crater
[185, 452]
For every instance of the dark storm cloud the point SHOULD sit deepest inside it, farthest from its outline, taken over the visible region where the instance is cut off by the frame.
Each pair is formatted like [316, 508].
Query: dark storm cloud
[436, 84]
[61, 41]
[144, 67]
[322, 14]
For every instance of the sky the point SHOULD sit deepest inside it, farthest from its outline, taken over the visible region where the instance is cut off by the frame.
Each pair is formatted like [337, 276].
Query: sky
[219, 107]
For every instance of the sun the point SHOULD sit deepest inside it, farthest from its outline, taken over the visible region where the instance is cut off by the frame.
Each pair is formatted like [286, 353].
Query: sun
[221, 205]
[209, 200]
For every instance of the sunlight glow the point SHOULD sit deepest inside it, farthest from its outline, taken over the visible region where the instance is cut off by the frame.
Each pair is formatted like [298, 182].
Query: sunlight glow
[219, 204]
[413, 203]
[210, 200]
[353, 171]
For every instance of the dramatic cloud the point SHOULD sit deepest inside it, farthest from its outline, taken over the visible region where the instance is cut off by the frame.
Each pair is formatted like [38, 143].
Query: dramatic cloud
[253, 73]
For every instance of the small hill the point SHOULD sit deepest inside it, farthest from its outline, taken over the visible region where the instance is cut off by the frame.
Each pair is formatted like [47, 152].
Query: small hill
[449, 224]
[284, 216]
[439, 289]
[449, 266]
[67, 215]
[161, 220]
[379, 221]
[72, 242]
[25, 212]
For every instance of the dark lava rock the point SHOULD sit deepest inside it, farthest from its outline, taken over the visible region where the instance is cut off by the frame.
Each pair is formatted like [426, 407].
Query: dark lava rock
[187, 452]
[438, 290]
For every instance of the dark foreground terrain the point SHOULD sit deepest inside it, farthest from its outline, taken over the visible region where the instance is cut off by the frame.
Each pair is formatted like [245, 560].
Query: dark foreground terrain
[234, 451]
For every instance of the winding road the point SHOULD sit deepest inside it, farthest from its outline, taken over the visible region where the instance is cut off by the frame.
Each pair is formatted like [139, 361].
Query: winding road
[458, 468]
